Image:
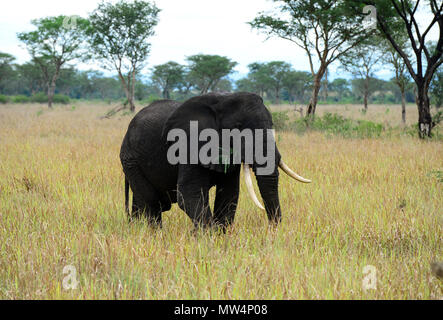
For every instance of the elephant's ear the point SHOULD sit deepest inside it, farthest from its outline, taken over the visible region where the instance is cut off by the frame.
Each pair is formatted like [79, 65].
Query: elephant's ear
[201, 109]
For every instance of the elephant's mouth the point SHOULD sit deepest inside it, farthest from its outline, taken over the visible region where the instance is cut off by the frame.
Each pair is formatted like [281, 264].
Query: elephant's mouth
[248, 180]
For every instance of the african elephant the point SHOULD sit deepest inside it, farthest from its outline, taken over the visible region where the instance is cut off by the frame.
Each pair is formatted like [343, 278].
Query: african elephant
[156, 183]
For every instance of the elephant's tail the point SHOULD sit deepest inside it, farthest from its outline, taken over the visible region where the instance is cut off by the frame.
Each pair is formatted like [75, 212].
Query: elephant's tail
[126, 195]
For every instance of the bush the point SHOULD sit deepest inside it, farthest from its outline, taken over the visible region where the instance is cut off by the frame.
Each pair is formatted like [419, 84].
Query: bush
[60, 98]
[280, 119]
[4, 99]
[41, 97]
[335, 124]
[147, 101]
[20, 99]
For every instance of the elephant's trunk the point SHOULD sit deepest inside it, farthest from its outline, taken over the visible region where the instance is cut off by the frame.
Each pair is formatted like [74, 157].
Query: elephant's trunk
[268, 186]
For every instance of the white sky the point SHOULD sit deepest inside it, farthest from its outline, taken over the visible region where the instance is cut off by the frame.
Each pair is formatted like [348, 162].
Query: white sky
[186, 27]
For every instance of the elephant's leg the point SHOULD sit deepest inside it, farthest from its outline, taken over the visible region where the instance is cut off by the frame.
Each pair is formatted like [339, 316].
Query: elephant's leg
[145, 198]
[193, 193]
[226, 198]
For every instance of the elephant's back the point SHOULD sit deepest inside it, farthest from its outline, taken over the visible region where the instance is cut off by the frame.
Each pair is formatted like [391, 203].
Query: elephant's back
[143, 143]
[145, 129]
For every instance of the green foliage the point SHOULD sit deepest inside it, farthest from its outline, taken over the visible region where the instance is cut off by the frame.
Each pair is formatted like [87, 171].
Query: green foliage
[56, 41]
[119, 31]
[4, 99]
[168, 76]
[118, 36]
[437, 118]
[436, 134]
[22, 99]
[6, 70]
[61, 98]
[334, 124]
[207, 70]
[63, 32]
[436, 90]
[438, 174]
[150, 99]
[41, 97]
[280, 120]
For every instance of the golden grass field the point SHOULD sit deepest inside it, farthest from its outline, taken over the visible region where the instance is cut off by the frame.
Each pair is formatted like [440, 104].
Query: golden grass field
[374, 202]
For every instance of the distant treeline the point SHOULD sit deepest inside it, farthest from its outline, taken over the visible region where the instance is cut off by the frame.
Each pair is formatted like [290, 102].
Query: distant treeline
[275, 81]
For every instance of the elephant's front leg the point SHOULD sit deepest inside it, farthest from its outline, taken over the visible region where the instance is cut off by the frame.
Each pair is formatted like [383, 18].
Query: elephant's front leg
[226, 198]
[193, 193]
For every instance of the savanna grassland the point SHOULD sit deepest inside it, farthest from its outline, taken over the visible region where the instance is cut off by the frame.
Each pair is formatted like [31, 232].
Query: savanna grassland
[376, 202]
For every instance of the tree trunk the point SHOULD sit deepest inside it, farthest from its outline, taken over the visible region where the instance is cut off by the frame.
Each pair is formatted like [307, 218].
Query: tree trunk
[51, 91]
[314, 97]
[403, 106]
[165, 93]
[277, 95]
[131, 102]
[365, 101]
[51, 86]
[425, 124]
[366, 94]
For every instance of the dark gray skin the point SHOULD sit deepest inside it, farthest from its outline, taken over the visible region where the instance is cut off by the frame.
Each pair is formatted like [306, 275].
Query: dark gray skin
[156, 184]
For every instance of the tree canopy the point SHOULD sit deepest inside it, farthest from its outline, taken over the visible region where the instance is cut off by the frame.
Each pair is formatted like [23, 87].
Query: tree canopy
[325, 29]
[54, 43]
[118, 37]
[207, 70]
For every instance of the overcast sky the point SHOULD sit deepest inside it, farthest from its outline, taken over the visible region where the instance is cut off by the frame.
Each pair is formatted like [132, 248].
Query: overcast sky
[186, 27]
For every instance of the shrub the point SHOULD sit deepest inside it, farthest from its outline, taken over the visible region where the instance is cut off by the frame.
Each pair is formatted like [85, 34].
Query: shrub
[335, 124]
[41, 97]
[147, 101]
[20, 99]
[280, 119]
[60, 98]
[4, 99]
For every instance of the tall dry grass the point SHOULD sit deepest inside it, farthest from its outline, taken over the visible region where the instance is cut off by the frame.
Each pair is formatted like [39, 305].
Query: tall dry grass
[373, 202]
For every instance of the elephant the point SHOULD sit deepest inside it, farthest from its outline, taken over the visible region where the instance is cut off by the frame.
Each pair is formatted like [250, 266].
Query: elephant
[156, 183]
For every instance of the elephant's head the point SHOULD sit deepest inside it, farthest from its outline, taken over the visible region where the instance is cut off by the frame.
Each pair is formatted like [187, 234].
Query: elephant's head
[246, 112]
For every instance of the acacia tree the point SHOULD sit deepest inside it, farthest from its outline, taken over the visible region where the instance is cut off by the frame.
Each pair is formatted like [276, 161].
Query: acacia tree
[30, 77]
[207, 70]
[276, 71]
[398, 65]
[296, 83]
[363, 61]
[324, 29]
[118, 38]
[56, 41]
[6, 69]
[168, 76]
[399, 17]
[258, 77]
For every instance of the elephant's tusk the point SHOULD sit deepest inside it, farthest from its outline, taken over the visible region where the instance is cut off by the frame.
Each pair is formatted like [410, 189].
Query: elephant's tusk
[248, 180]
[291, 173]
